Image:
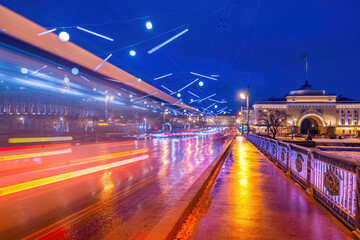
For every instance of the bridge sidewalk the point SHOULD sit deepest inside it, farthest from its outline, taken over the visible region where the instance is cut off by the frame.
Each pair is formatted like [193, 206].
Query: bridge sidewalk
[252, 199]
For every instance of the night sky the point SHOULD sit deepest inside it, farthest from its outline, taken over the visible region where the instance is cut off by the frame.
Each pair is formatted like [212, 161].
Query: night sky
[241, 40]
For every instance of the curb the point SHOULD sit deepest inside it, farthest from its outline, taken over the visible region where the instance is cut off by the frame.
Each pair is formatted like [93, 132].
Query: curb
[171, 223]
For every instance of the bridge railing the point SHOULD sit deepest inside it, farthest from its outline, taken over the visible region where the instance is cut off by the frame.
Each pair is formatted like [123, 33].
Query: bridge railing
[332, 180]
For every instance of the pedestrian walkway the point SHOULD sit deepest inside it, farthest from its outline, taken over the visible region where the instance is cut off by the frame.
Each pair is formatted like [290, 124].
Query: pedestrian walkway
[252, 199]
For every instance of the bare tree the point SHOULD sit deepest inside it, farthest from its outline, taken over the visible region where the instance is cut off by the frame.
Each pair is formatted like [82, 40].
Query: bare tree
[273, 121]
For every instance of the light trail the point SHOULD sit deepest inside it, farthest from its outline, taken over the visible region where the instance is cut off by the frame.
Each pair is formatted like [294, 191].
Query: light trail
[193, 94]
[188, 85]
[167, 88]
[107, 58]
[65, 176]
[84, 78]
[94, 33]
[222, 109]
[39, 139]
[200, 75]
[213, 100]
[207, 97]
[32, 155]
[36, 71]
[5, 149]
[146, 96]
[209, 106]
[167, 75]
[49, 31]
[167, 41]
[81, 161]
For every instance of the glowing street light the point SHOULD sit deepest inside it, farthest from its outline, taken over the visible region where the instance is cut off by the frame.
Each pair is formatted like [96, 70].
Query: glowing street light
[201, 83]
[74, 71]
[178, 95]
[246, 96]
[149, 25]
[132, 53]
[24, 70]
[64, 36]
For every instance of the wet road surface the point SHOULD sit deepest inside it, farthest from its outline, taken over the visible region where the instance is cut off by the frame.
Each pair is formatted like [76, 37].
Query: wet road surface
[252, 199]
[117, 190]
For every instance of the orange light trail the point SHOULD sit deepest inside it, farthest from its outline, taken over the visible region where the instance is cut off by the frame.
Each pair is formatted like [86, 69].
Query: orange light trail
[65, 176]
[4, 149]
[39, 139]
[82, 161]
[31, 155]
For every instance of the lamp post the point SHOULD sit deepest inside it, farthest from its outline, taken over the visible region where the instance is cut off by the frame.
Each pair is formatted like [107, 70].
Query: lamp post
[246, 96]
[107, 98]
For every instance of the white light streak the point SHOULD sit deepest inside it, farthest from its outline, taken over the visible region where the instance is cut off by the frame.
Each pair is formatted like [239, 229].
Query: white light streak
[193, 94]
[217, 101]
[222, 109]
[207, 97]
[215, 75]
[49, 31]
[35, 72]
[167, 88]
[167, 41]
[114, 80]
[188, 85]
[167, 75]
[177, 102]
[85, 78]
[146, 96]
[94, 33]
[209, 106]
[107, 58]
[200, 75]
[2, 30]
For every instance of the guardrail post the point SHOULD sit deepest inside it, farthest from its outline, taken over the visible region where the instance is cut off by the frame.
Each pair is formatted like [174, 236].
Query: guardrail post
[276, 147]
[356, 232]
[288, 162]
[310, 161]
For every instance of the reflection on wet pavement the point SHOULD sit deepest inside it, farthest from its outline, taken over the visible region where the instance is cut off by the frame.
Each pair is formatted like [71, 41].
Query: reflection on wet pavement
[107, 190]
[252, 199]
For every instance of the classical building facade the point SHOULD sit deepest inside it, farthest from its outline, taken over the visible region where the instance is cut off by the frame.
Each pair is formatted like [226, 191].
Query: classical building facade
[311, 111]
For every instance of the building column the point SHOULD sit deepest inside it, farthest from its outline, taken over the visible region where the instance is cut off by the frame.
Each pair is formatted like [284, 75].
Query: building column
[340, 110]
[346, 116]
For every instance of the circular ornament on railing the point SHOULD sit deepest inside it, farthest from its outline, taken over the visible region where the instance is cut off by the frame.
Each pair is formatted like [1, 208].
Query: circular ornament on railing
[298, 163]
[332, 183]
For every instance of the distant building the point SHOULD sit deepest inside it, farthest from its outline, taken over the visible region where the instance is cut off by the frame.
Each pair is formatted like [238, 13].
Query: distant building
[311, 111]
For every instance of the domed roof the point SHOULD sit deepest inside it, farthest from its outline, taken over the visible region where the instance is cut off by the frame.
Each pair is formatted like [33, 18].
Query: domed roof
[306, 90]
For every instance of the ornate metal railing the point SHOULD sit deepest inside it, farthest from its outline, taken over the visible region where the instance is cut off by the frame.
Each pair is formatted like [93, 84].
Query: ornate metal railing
[331, 179]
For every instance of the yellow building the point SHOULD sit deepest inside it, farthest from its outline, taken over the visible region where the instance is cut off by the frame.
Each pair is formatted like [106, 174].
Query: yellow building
[312, 111]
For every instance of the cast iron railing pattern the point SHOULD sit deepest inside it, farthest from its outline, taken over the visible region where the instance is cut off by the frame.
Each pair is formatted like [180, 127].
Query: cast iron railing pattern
[331, 179]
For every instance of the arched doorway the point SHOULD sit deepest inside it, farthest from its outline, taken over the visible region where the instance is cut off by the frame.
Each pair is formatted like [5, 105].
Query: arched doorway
[166, 127]
[309, 126]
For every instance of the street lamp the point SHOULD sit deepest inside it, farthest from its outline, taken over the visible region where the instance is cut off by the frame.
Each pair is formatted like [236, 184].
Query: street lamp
[107, 98]
[246, 96]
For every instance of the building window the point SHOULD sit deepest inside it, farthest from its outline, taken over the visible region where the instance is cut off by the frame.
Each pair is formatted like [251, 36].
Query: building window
[349, 121]
[348, 111]
[342, 121]
[10, 109]
[17, 109]
[349, 131]
[32, 110]
[343, 131]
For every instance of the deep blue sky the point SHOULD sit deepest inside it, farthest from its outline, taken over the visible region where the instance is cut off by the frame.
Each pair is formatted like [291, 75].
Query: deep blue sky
[220, 41]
